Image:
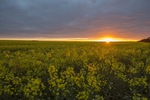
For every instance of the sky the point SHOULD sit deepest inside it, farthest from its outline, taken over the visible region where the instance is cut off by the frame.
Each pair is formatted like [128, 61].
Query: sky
[74, 19]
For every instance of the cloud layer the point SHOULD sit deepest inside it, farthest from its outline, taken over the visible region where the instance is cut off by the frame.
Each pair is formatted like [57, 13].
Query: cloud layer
[74, 18]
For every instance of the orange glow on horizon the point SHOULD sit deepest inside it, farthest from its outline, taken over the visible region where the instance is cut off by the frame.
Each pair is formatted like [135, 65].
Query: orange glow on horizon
[111, 39]
[102, 39]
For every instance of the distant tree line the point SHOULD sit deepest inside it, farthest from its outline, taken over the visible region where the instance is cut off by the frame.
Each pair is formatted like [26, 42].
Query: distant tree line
[145, 40]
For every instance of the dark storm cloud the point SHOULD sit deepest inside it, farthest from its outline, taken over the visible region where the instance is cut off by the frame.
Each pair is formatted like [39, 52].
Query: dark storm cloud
[74, 18]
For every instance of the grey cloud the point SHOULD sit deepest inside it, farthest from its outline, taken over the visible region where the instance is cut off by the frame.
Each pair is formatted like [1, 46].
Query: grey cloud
[74, 18]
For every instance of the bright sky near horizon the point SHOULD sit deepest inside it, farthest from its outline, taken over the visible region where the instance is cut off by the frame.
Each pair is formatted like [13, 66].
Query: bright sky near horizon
[75, 19]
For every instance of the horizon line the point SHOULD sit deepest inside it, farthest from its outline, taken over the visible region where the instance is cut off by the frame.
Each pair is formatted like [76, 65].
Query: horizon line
[66, 39]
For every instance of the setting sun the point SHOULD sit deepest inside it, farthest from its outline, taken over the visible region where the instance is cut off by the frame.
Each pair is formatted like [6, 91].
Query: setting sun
[107, 40]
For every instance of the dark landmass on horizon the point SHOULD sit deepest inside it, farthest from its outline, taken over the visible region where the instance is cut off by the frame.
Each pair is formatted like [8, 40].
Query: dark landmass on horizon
[145, 40]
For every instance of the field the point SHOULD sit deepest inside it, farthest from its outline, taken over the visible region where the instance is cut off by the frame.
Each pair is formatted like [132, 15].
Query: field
[74, 70]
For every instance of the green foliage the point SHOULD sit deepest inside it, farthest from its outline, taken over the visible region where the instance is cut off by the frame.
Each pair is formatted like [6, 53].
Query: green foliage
[74, 71]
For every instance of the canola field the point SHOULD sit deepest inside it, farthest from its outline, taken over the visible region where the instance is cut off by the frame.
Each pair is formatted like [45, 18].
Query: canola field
[40, 70]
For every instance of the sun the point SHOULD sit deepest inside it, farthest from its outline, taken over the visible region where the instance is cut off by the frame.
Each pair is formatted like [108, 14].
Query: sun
[108, 40]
